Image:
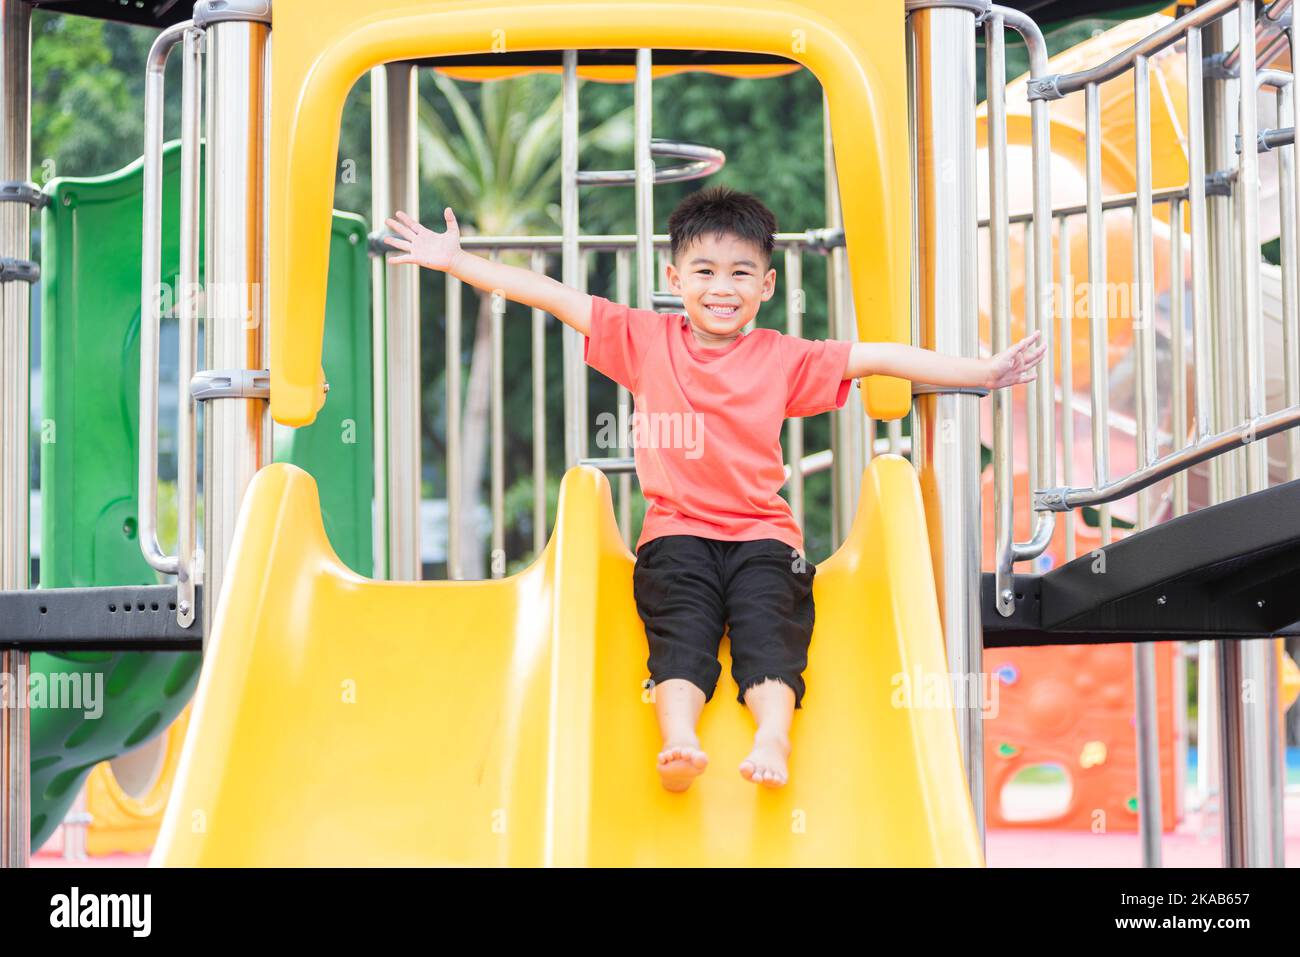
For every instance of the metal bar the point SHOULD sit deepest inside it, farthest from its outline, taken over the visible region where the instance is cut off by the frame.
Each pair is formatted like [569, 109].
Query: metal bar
[540, 531]
[623, 292]
[497, 403]
[1148, 740]
[821, 240]
[644, 193]
[397, 97]
[575, 431]
[1000, 311]
[1067, 83]
[237, 431]
[1261, 727]
[844, 477]
[1061, 499]
[1042, 398]
[1266, 34]
[1178, 345]
[187, 464]
[706, 161]
[454, 499]
[379, 200]
[1118, 201]
[794, 308]
[1289, 177]
[398, 167]
[941, 61]
[152, 295]
[1067, 373]
[15, 315]
[1202, 352]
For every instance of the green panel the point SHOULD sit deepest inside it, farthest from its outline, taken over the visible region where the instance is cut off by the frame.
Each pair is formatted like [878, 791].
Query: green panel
[90, 362]
[90, 267]
[337, 449]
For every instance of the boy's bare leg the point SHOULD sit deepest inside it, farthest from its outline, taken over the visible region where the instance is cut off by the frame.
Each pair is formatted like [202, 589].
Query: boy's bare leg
[772, 704]
[678, 704]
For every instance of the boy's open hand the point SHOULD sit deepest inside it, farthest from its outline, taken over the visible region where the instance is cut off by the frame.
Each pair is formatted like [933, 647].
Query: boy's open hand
[1013, 366]
[423, 246]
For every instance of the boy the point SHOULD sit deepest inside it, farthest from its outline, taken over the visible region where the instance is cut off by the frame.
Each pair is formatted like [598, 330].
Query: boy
[719, 546]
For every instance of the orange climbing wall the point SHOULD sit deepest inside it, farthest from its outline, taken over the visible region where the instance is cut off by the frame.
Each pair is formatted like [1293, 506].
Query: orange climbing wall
[1073, 706]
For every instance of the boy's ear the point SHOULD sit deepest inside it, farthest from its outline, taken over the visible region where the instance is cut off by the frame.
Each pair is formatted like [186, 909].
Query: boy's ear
[769, 285]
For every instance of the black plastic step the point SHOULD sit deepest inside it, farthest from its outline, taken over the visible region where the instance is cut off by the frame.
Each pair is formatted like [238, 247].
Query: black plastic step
[1227, 571]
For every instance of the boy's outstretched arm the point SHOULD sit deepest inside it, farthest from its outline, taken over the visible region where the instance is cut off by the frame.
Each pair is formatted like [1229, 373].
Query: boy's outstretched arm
[923, 365]
[442, 251]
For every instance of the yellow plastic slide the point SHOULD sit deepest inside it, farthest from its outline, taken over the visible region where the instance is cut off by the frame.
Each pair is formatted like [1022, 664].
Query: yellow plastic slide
[341, 720]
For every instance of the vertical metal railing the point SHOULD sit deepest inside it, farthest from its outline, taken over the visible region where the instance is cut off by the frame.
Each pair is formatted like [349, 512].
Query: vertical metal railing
[1228, 410]
[1039, 301]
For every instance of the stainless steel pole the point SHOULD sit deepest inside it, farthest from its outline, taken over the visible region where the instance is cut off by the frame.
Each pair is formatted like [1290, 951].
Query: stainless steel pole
[946, 444]
[1242, 697]
[623, 292]
[1144, 663]
[396, 168]
[497, 566]
[15, 312]
[237, 431]
[575, 371]
[847, 424]
[794, 306]
[453, 313]
[539, 416]
[379, 325]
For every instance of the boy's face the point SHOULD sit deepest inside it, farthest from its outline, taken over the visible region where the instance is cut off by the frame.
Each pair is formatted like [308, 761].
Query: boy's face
[722, 279]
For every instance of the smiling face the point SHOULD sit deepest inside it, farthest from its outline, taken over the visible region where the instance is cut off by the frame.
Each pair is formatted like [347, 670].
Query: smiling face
[722, 279]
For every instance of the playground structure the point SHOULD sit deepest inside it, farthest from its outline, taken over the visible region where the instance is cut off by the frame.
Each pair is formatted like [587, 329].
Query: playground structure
[551, 722]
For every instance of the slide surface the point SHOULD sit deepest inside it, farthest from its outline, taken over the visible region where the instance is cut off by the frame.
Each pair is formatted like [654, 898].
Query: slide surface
[341, 720]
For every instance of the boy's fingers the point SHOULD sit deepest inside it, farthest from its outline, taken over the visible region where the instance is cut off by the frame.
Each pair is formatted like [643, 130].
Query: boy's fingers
[398, 260]
[411, 223]
[397, 243]
[450, 218]
[399, 228]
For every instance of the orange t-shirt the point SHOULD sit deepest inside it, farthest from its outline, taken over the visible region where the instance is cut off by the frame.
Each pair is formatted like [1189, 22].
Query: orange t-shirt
[706, 426]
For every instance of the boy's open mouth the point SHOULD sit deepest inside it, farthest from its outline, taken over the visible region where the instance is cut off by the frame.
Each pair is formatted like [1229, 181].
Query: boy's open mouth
[724, 311]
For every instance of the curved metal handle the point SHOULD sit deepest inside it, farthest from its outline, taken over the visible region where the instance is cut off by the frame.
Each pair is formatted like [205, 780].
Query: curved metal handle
[152, 291]
[705, 161]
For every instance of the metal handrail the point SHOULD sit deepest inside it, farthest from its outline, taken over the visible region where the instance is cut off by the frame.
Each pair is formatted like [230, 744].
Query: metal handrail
[1042, 401]
[705, 161]
[1063, 499]
[152, 291]
[1062, 84]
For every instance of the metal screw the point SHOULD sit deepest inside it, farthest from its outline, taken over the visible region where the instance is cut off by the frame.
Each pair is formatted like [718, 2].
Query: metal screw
[183, 608]
[1007, 596]
[1160, 600]
[1260, 603]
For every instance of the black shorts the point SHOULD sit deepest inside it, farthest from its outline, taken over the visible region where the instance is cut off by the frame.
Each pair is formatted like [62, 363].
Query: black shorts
[688, 589]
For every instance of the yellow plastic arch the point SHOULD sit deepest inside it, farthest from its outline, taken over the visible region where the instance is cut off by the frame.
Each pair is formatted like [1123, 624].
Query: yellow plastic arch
[611, 73]
[344, 721]
[321, 48]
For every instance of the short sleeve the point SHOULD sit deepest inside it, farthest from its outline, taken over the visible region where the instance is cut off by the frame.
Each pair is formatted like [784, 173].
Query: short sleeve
[619, 339]
[814, 374]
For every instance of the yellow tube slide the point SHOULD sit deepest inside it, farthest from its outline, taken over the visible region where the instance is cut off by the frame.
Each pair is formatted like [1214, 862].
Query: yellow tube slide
[340, 720]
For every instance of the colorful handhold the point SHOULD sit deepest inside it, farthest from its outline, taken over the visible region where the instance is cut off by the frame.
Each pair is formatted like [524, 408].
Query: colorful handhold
[1093, 754]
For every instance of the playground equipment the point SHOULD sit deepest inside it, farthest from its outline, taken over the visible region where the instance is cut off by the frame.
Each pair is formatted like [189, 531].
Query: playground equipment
[90, 382]
[531, 777]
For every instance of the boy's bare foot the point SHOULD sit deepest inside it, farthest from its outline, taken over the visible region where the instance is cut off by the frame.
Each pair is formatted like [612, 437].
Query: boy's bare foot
[680, 763]
[766, 764]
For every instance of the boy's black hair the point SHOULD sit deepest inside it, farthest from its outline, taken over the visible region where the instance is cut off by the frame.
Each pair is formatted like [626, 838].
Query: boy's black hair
[721, 210]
